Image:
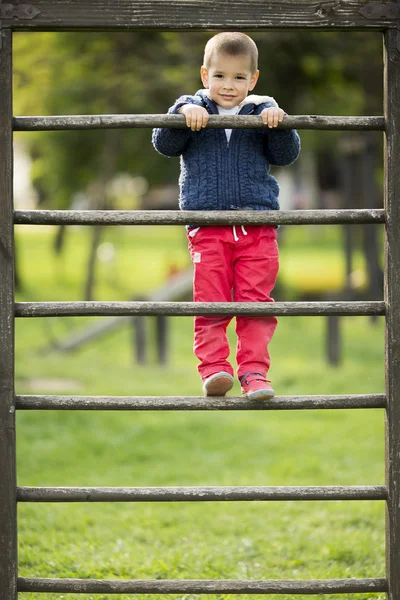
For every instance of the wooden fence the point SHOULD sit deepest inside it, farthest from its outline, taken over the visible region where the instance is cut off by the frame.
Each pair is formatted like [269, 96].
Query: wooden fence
[55, 15]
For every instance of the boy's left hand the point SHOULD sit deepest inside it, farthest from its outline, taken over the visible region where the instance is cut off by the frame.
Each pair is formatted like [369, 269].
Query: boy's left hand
[272, 116]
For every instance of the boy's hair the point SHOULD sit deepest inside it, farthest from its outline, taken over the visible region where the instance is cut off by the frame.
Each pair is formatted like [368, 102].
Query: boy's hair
[233, 43]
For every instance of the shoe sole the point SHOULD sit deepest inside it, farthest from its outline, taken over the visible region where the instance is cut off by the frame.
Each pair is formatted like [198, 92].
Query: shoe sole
[219, 387]
[260, 395]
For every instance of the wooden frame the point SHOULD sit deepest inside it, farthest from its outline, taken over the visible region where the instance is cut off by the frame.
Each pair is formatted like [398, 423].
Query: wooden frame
[54, 15]
[8, 516]
[392, 300]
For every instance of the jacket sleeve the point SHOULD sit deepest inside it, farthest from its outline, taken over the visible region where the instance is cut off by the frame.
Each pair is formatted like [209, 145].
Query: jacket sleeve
[172, 142]
[281, 146]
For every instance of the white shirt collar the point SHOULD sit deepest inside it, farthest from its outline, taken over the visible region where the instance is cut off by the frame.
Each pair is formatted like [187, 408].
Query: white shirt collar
[252, 99]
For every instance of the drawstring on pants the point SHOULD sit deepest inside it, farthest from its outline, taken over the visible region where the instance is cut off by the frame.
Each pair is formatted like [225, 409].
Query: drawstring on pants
[192, 232]
[235, 237]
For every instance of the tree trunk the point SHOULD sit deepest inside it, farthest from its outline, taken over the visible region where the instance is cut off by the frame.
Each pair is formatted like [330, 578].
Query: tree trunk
[91, 266]
[59, 239]
[370, 233]
[98, 201]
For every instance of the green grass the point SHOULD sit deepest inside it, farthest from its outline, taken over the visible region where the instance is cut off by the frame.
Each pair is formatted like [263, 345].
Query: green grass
[211, 540]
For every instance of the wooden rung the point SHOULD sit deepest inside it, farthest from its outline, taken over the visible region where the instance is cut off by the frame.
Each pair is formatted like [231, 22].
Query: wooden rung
[203, 586]
[198, 217]
[198, 402]
[199, 493]
[68, 122]
[190, 309]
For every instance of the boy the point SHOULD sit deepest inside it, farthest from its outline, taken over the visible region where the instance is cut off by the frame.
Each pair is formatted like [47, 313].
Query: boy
[228, 170]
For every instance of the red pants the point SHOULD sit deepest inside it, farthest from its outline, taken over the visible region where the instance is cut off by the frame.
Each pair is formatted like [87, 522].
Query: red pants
[232, 266]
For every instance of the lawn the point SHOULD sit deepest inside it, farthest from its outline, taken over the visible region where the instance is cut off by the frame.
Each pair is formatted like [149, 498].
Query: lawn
[210, 540]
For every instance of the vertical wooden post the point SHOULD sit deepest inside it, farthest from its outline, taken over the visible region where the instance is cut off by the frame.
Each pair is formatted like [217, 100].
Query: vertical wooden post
[8, 512]
[392, 299]
[162, 339]
[140, 335]
[333, 347]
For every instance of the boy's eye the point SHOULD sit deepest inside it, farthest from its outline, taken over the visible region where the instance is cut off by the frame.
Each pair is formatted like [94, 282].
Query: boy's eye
[219, 76]
[240, 77]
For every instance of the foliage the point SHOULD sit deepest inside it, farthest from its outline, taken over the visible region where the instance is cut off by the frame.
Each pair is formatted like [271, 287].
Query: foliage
[89, 74]
[143, 72]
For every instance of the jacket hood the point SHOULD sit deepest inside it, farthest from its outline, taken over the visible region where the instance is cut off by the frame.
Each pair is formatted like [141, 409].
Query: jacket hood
[250, 101]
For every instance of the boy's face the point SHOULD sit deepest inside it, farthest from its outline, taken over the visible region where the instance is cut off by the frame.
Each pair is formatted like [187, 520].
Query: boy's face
[229, 79]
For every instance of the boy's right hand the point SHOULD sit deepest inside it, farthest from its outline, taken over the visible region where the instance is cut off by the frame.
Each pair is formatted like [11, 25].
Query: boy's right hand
[196, 116]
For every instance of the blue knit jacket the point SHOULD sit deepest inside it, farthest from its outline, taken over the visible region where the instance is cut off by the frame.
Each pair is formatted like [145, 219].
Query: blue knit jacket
[217, 175]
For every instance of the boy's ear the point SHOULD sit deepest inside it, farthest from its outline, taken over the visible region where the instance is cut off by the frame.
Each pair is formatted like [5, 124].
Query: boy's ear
[253, 80]
[204, 76]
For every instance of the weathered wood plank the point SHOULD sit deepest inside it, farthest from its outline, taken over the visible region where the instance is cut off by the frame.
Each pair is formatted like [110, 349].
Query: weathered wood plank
[197, 217]
[199, 494]
[68, 122]
[191, 309]
[56, 15]
[203, 586]
[8, 534]
[198, 402]
[392, 298]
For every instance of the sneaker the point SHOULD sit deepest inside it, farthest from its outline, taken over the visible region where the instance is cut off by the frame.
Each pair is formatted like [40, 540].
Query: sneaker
[218, 384]
[256, 387]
